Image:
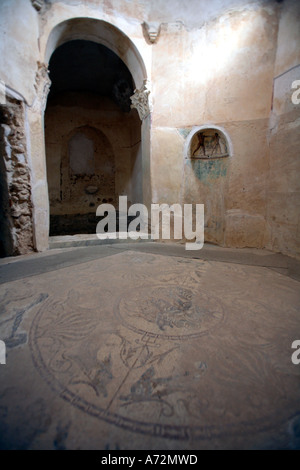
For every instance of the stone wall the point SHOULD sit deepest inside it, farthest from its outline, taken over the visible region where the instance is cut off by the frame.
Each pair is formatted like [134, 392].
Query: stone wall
[219, 73]
[228, 64]
[16, 214]
[283, 186]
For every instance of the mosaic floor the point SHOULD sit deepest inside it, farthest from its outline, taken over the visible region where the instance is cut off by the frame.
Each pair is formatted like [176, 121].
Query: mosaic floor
[143, 351]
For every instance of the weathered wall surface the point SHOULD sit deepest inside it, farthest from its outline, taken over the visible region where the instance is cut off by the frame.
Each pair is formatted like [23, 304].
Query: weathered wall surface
[19, 51]
[16, 232]
[283, 189]
[224, 63]
[220, 73]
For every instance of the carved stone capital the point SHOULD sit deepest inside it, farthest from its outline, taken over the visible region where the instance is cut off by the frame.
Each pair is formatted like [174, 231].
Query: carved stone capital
[151, 32]
[37, 4]
[141, 100]
[42, 86]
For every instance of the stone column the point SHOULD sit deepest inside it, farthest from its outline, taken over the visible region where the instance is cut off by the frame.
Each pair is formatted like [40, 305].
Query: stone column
[37, 156]
[141, 100]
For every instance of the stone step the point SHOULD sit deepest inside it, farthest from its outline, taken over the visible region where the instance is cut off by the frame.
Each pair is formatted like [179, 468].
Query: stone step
[73, 224]
[69, 241]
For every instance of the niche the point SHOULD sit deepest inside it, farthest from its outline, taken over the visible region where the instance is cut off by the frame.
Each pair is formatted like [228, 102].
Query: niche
[209, 143]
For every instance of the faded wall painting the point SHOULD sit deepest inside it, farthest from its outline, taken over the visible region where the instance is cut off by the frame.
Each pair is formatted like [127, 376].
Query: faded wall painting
[209, 143]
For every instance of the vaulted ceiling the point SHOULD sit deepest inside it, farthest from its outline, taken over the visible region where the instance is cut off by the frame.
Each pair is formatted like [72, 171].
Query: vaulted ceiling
[85, 66]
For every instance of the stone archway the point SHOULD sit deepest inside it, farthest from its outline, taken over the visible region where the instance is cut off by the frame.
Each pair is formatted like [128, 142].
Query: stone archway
[108, 35]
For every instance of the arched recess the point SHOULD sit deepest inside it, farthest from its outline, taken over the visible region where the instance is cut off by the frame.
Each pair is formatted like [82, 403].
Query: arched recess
[207, 157]
[198, 130]
[107, 35]
[101, 32]
[81, 179]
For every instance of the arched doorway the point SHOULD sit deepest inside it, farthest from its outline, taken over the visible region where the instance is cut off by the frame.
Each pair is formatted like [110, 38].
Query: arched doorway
[94, 69]
[92, 135]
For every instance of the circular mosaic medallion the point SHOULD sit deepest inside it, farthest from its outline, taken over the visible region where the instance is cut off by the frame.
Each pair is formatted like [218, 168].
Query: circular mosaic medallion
[137, 362]
[170, 312]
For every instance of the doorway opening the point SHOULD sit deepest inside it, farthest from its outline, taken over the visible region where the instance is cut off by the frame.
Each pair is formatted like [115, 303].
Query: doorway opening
[92, 136]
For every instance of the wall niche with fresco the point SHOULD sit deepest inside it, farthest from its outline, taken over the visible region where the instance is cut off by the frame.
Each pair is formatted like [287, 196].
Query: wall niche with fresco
[209, 143]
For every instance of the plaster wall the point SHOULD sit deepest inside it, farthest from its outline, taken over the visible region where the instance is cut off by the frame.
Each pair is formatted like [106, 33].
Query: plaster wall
[224, 63]
[19, 51]
[283, 189]
[220, 74]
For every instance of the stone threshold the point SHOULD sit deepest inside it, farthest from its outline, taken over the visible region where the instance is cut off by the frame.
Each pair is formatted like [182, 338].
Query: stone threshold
[69, 241]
